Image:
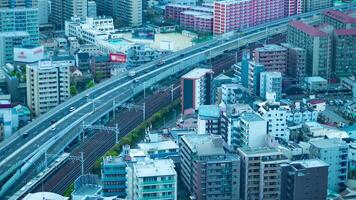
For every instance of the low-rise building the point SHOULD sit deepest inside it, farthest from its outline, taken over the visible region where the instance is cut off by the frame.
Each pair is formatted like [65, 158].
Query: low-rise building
[160, 149]
[315, 83]
[335, 153]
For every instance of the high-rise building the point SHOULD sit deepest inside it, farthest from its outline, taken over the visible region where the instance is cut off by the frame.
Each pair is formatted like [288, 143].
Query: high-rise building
[47, 85]
[335, 153]
[273, 57]
[113, 176]
[127, 13]
[311, 5]
[297, 61]
[8, 40]
[344, 61]
[338, 20]
[304, 179]
[254, 71]
[208, 169]
[152, 179]
[252, 130]
[14, 30]
[62, 10]
[196, 89]
[293, 7]
[276, 117]
[91, 9]
[271, 86]
[230, 15]
[318, 45]
[261, 173]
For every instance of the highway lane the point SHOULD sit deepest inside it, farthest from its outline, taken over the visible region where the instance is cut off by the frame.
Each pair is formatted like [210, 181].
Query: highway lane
[127, 119]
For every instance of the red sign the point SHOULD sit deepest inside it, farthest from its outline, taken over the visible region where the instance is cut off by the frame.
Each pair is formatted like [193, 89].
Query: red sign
[118, 57]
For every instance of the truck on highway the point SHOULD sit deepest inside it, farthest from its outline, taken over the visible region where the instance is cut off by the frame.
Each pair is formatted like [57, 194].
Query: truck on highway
[132, 73]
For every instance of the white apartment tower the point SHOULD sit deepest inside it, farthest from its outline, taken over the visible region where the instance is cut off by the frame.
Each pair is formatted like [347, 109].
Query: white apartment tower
[152, 179]
[47, 84]
[276, 117]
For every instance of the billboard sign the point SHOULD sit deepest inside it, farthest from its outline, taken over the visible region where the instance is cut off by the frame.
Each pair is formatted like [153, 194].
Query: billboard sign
[118, 57]
[28, 54]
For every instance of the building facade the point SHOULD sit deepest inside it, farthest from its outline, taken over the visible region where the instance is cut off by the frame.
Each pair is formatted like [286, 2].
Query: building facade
[318, 46]
[152, 179]
[62, 10]
[296, 62]
[304, 179]
[113, 176]
[273, 57]
[261, 173]
[196, 89]
[271, 86]
[276, 117]
[293, 7]
[235, 14]
[47, 85]
[335, 153]
[252, 130]
[208, 170]
[311, 5]
[344, 61]
[16, 31]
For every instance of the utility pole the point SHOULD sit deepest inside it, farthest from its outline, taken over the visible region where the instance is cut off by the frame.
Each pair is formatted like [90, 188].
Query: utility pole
[114, 129]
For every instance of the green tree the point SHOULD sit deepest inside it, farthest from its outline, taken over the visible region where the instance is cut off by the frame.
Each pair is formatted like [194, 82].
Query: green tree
[73, 90]
[90, 84]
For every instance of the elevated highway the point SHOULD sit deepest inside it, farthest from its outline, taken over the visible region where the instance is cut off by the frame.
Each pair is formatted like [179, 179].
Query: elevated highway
[18, 154]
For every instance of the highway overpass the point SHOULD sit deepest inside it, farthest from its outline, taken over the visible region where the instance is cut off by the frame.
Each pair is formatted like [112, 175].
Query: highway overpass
[18, 154]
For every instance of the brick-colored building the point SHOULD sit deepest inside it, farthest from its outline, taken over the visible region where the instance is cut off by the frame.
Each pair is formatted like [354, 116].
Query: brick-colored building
[273, 57]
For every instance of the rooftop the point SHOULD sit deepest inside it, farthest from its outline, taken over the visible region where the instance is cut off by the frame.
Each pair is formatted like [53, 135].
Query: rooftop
[270, 47]
[113, 160]
[209, 111]
[308, 29]
[310, 163]
[340, 16]
[205, 144]
[315, 79]
[251, 116]
[152, 168]
[259, 151]
[346, 31]
[328, 143]
[161, 145]
[197, 73]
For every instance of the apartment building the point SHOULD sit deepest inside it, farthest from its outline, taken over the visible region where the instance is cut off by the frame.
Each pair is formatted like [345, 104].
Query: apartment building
[338, 20]
[311, 5]
[293, 7]
[335, 153]
[208, 169]
[271, 86]
[196, 89]
[152, 179]
[318, 46]
[296, 62]
[62, 10]
[276, 117]
[344, 61]
[252, 130]
[113, 176]
[47, 84]
[173, 11]
[230, 15]
[273, 57]
[304, 179]
[261, 173]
